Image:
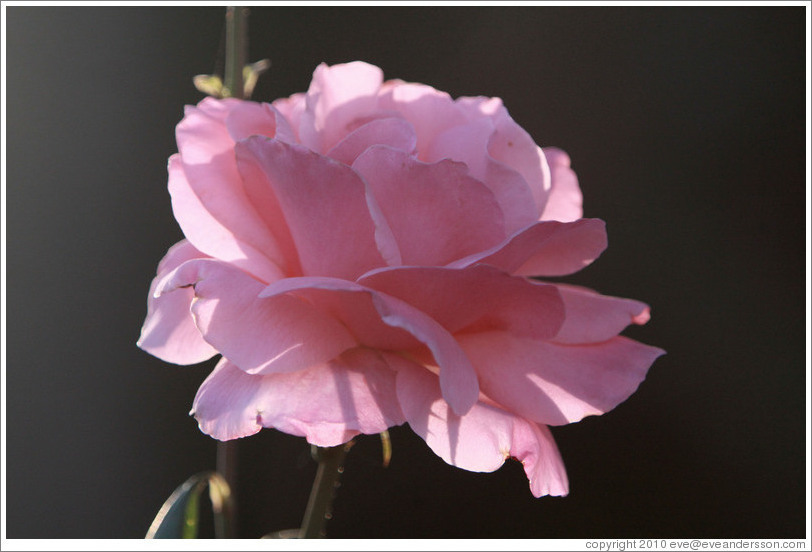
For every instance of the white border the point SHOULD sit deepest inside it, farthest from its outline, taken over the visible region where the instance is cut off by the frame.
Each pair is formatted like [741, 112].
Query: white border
[3, 265]
[418, 3]
[808, 271]
[375, 544]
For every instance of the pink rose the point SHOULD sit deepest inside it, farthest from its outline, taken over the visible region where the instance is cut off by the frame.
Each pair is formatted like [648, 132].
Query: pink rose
[359, 255]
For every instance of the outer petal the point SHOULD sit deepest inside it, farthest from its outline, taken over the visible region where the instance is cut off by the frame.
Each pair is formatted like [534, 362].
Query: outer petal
[482, 439]
[429, 110]
[292, 109]
[553, 383]
[261, 336]
[169, 332]
[435, 212]
[390, 131]
[469, 143]
[478, 107]
[337, 97]
[327, 403]
[547, 248]
[474, 298]
[208, 198]
[323, 203]
[350, 303]
[252, 118]
[534, 446]
[512, 145]
[258, 254]
[565, 200]
[592, 317]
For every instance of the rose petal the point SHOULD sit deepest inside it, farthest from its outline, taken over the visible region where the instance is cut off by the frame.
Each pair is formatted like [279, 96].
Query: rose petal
[435, 212]
[502, 301]
[547, 248]
[169, 332]
[352, 305]
[266, 203]
[592, 317]
[482, 439]
[327, 403]
[291, 109]
[469, 143]
[323, 202]
[252, 118]
[512, 145]
[385, 238]
[554, 383]
[564, 203]
[208, 198]
[260, 335]
[457, 378]
[430, 111]
[338, 96]
[478, 107]
[390, 131]
[534, 446]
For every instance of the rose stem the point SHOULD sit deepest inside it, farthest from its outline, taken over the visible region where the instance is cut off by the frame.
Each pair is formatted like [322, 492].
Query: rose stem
[227, 467]
[331, 465]
[236, 50]
[236, 55]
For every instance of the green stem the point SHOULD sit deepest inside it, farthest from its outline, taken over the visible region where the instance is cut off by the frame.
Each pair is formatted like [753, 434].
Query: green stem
[331, 465]
[227, 468]
[236, 58]
[236, 50]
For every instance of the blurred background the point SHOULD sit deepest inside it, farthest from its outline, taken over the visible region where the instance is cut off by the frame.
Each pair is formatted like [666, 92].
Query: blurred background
[686, 128]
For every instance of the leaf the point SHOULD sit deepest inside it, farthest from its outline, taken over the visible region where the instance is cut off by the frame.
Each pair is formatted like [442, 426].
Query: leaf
[251, 73]
[386, 448]
[209, 84]
[191, 514]
[222, 506]
[213, 85]
[180, 514]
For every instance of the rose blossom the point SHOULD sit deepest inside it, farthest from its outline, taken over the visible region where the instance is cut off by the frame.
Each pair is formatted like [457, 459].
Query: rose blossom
[359, 255]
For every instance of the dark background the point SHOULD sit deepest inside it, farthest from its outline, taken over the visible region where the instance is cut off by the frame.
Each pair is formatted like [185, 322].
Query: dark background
[686, 128]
